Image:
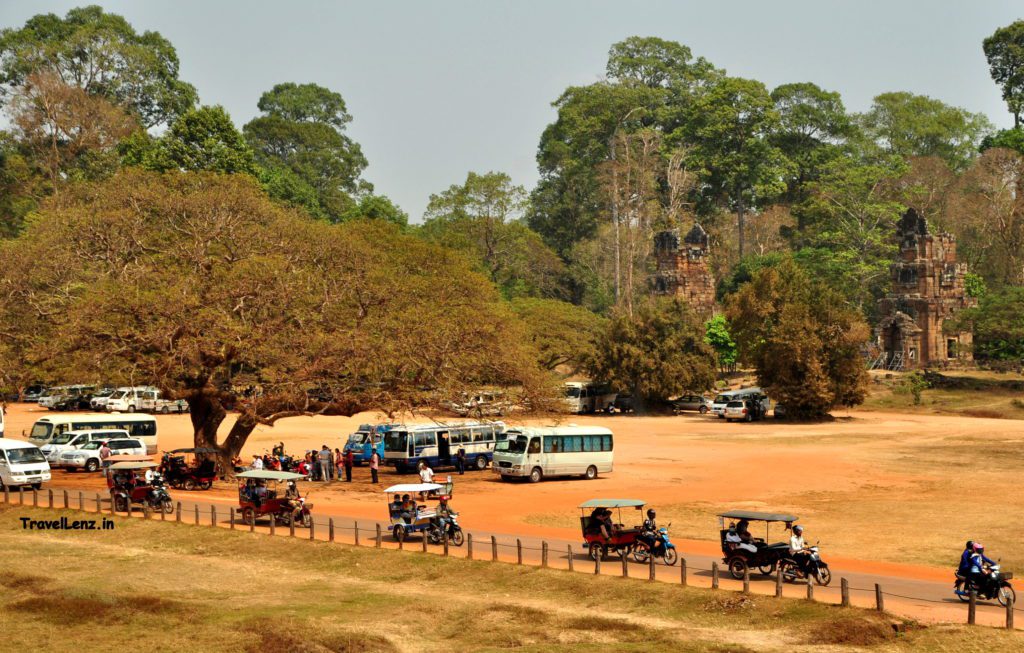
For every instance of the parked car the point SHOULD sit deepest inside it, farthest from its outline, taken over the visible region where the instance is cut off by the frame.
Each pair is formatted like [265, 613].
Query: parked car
[21, 463]
[33, 393]
[746, 410]
[723, 398]
[694, 403]
[88, 456]
[481, 404]
[622, 404]
[70, 440]
[779, 412]
[99, 399]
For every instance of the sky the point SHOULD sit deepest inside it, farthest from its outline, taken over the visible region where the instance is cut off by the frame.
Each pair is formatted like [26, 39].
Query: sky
[440, 88]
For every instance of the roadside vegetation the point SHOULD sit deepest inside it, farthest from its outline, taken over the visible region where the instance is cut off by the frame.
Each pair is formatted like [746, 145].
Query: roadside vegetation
[157, 587]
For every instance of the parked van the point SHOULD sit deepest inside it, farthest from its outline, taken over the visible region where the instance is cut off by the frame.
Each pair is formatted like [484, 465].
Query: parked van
[585, 397]
[129, 399]
[69, 440]
[752, 394]
[142, 427]
[538, 453]
[22, 463]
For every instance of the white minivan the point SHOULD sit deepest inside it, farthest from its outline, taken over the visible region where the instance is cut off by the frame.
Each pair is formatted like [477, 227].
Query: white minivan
[22, 463]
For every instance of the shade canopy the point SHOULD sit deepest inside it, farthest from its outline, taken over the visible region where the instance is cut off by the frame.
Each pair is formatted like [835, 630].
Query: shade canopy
[270, 475]
[415, 487]
[759, 516]
[135, 465]
[613, 503]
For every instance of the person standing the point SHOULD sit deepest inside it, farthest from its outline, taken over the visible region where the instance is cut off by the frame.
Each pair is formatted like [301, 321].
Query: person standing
[325, 463]
[374, 465]
[460, 460]
[350, 459]
[104, 454]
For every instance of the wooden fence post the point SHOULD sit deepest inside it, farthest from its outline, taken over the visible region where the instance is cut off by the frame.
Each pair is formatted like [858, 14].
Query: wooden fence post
[35, 498]
[273, 524]
[97, 502]
[49, 498]
[879, 601]
[355, 529]
[597, 565]
[570, 559]
[65, 497]
[714, 575]
[445, 544]
[544, 554]
[651, 573]
[252, 525]
[810, 589]
[682, 571]
[7, 496]
[494, 549]
[213, 515]
[81, 498]
[1009, 612]
[312, 529]
[291, 528]
[195, 513]
[625, 567]
[330, 530]
[163, 515]
[424, 540]
[401, 543]
[972, 608]
[177, 513]
[469, 545]
[231, 517]
[21, 495]
[844, 587]
[746, 580]
[378, 536]
[519, 551]
[145, 511]
[778, 582]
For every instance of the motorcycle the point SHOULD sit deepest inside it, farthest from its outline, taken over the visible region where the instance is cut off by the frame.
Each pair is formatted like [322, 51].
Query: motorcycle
[662, 548]
[302, 514]
[816, 568]
[153, 496]
[993, 585]
[451, 526]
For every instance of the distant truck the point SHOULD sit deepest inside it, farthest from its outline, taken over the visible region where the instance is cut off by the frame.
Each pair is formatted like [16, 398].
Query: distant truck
[585, 397]
[143, 399]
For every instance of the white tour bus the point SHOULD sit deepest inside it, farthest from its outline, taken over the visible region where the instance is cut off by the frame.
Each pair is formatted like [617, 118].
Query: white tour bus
[439, 444]
[556, 451]
[141, 427]
[22, 463]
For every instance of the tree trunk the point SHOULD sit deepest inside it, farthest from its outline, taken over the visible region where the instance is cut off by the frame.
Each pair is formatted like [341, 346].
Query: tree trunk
[207, 414]
[741, 219]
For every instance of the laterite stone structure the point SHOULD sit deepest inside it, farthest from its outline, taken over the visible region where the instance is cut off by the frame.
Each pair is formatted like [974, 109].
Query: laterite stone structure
[683, 271]
[927, 290]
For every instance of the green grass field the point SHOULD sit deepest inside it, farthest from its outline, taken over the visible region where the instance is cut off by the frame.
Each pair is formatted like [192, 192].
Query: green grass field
[147, 586]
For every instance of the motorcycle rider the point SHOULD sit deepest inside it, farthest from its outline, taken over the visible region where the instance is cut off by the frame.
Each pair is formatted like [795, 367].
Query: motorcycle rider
[444, 514]
[965, 564]
[649, 534]
[976, 572]
[291, 497]
[798, 548]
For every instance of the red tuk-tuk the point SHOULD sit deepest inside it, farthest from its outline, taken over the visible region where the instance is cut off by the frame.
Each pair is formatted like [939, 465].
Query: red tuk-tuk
[622, 540]
[259, 495]
[199, 474]
[127, 484]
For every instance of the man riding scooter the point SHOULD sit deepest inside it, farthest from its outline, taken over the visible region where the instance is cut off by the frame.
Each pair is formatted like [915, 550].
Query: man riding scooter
[291, 495]
[650, 536]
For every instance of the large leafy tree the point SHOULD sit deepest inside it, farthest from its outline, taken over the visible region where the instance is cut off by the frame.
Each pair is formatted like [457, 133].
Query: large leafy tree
[483, 217]
[200, 284]
[656, 353]
[916, 125]
[728, 126]
[1005, 53]
[203, 139]
[303, 130]
[997, 325]
[802, 338]
[565, 335]
[101, 54]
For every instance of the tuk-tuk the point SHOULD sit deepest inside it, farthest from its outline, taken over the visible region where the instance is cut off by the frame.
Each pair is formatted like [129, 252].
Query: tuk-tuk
[622, 540]
[190, 469]
[407, 517]
[127, 484]
[259, 495]
[742, 551]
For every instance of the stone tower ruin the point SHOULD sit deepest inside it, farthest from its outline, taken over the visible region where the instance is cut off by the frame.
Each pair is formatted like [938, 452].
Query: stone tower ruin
[927, 289]
[684, 273]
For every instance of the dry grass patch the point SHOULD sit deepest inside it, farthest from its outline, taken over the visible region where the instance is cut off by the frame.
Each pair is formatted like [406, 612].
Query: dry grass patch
[852, 631]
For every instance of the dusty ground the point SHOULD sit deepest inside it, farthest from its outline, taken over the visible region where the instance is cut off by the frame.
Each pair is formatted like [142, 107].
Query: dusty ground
[883, 492]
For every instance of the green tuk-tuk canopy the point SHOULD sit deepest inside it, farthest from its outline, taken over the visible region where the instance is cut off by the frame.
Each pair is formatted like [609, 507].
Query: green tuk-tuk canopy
[613, 503]
[759, 516]
[270, 475]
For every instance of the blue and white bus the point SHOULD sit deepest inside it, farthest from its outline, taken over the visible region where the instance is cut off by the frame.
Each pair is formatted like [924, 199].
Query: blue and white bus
[363, 442]
[439, 444]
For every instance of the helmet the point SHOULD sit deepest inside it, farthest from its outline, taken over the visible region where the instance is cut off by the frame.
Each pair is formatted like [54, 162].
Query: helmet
[650, 513]
[979, 547]
[798, 529]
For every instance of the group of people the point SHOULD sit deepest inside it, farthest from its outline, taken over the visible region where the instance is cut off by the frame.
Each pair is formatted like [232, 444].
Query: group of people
[972, 563]
[404, 507]
[323, 465]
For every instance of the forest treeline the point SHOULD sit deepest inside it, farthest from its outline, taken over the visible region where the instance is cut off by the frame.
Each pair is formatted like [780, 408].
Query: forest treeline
[800, 198]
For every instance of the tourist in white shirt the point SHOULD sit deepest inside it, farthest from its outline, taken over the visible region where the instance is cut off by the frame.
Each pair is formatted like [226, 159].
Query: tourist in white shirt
[798, 548]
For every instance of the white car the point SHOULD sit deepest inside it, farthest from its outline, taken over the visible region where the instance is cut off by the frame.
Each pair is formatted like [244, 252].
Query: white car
[69, 440]
[88, 457]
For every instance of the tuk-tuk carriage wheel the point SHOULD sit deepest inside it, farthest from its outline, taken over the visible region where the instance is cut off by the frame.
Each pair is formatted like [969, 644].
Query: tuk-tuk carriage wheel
[121, 503]
[398, 532]
[596, 550]
[768, 569]
[249, 516]
[206, 485]
[737, 567]
[190, 484]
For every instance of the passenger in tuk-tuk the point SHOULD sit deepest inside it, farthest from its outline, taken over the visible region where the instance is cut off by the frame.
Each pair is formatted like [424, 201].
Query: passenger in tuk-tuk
[601, 522]
[408, 509]
[395, 507]
[743, 530]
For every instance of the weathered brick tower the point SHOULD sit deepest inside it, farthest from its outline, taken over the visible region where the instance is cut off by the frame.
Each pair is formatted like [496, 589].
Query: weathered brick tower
[684, 272]
[927, 289]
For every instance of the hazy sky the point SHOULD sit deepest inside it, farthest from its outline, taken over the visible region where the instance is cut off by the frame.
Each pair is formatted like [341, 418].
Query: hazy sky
[437, 89]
